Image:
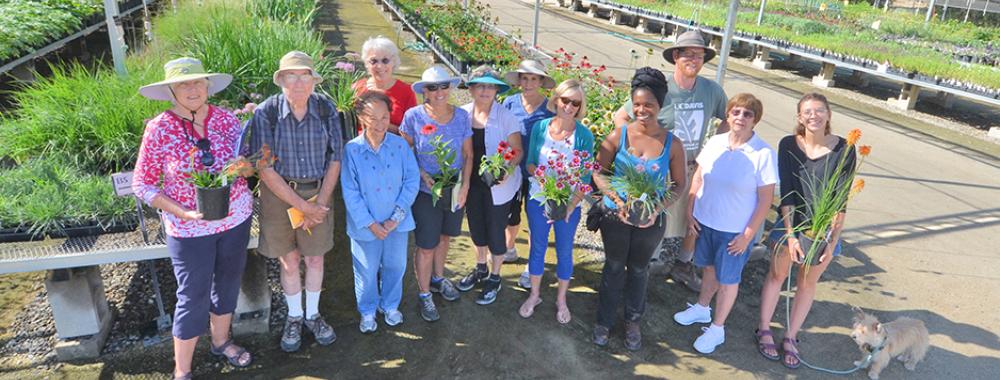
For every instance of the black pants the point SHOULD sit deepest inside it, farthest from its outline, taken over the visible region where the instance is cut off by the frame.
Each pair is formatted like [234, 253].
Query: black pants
[487, 222]
[627, 251]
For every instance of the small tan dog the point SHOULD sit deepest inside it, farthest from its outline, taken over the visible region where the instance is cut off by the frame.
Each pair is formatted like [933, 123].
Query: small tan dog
[905, 339]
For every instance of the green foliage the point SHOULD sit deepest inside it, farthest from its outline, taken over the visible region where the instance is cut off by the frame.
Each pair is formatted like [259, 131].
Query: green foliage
[27, 25]
[461, 32]
[291, 11]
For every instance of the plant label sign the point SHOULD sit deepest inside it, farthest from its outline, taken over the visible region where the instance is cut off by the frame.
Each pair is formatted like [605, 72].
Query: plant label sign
[122, 183]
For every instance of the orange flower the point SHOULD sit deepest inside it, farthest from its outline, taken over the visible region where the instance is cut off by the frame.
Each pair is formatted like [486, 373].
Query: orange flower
[853, 136]
[865, 150]
[858, 186]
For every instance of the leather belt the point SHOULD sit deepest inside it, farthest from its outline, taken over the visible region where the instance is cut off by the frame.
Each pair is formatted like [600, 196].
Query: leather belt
[303, 184]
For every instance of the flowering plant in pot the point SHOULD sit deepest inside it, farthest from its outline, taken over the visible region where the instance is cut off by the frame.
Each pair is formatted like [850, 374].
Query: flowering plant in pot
[560, 179]
[447, 178]
[495, 167]
[645, 192]
[828, 198]
[345, 74]
[212, 188]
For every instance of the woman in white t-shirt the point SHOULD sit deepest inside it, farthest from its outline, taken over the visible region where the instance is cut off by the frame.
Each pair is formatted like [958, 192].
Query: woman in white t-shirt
[731, 193]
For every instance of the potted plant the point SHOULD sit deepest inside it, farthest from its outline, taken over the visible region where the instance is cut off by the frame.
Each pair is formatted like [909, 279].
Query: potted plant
[560, 179]
[495, 167]
[827, 200]
[212, 189]
[644, 192]
[447, 178]
[345, 74]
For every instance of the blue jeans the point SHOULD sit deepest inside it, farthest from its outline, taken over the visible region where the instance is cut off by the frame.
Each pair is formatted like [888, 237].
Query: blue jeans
[539, 226]
[370, 257]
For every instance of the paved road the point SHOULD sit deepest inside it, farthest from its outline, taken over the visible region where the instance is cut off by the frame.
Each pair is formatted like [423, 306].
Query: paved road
[923, 237]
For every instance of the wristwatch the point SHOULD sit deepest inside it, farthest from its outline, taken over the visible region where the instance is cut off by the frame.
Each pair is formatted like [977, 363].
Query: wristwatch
[398, 214]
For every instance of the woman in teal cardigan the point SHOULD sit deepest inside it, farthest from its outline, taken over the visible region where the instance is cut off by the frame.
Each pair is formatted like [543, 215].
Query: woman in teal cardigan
[555, 139]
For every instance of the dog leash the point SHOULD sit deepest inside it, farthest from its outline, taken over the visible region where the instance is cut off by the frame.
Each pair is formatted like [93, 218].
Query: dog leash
[788, 316]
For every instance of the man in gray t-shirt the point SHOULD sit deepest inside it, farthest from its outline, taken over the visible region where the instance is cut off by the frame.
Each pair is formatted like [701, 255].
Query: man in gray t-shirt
[688, 107]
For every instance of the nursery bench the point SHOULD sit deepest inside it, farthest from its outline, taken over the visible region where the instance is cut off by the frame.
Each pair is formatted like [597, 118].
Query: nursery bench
[75, 289]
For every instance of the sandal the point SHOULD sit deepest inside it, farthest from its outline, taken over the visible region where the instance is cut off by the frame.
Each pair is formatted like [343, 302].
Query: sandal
[233, 359]
[763, 347]
[563, 315]
[790, 354]
[527, 310]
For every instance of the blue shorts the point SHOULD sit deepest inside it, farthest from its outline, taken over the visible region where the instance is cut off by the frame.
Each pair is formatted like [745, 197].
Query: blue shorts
[710, 251]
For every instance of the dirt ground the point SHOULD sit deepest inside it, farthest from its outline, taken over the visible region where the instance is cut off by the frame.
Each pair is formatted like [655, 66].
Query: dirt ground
[473, 341]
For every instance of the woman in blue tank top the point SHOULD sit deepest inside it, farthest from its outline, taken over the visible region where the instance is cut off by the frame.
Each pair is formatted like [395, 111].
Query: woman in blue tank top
[651, 149]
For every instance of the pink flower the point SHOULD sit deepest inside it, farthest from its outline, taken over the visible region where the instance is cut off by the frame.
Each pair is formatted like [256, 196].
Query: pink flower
[346, 66]
[541, 167]
[640, 168]
[654, 167]
[559, 185]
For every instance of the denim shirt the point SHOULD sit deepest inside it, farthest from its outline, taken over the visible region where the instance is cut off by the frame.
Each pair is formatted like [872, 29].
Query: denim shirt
[375, 182]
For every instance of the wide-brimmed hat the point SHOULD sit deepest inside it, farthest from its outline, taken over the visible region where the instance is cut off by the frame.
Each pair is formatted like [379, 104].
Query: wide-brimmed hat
[435, 74]
[296, 60]
[489, 76]
[689, 39]
[183, 70]
[530, 66]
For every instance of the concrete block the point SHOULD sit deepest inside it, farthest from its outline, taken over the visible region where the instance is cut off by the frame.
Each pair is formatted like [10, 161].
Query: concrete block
[944, 99]
[88, 347]
[907, 97]
[994, 133]
[593, 11]
[253, 307]
[617, 17]
[825, 76]
[644, 25]
[858, 79]
[79, 305]
[716, 43]
[762, 58]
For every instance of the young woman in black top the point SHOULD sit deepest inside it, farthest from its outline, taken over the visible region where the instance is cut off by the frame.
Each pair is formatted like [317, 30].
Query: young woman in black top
[808, 155]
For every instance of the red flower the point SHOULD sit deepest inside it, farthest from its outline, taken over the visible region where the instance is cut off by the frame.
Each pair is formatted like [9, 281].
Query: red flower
[504, 145]
[508, 156]
[428, 129]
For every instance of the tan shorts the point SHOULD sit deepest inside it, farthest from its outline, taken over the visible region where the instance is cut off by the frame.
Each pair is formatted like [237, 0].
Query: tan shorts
[277, 238]
[677, 212]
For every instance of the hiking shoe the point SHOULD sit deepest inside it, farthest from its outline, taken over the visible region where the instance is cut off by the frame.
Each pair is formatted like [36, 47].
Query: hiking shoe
[320, 329]
[694, 314]
[368, 324]
[446, 288]
[510, 256]
[291, 336]
[633, 336]
[712, 337]
[684, 273]
[472, 279]
[428, 311]
[525, 281]
[489, 294]
[601, 335]
[393, 317]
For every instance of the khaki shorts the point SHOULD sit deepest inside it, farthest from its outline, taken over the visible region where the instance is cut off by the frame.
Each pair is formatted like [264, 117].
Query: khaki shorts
[677, 222]
[277, 238]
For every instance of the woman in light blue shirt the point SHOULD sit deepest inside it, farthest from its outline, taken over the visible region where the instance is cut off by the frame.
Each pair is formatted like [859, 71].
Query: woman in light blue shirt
[380, 181]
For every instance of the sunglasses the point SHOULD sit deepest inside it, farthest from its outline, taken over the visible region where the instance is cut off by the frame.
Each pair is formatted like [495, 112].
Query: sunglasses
[745, 113]
[205, 146]
[384, 61]
[437, 86]
[574, 102]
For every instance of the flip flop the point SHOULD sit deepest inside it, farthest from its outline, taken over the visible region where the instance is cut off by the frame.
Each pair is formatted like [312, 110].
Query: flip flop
[560, 316]
[526, 313]
[233, 359]
[788, 354]
[763, 347]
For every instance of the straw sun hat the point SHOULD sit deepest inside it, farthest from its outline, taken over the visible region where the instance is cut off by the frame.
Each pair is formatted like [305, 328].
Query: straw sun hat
[183, 70]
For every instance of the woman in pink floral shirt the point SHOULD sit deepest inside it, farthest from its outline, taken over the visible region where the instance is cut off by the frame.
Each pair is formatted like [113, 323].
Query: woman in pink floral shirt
[208, 256]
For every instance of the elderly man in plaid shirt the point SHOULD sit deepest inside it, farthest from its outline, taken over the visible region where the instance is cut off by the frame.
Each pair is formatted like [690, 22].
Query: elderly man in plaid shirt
[303, 129]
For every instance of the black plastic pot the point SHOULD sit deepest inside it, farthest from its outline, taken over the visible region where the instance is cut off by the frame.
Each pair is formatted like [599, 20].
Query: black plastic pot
[92, 229]
[639, 215]
[213, 203]
[806, 242]
[489, 179]
[444, 202]
[349, 124]
[16, 234]
[554, 211]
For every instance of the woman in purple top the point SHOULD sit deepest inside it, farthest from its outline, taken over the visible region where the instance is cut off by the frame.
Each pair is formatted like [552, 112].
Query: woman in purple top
[437, 225]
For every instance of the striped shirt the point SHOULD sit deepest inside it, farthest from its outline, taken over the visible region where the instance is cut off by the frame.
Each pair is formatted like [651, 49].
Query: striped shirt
[304, 148]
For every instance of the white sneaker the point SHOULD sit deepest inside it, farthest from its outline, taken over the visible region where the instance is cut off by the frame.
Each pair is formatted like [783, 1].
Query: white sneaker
[694, 314]
[510, 256]
[525, 280]
[712, 337]
[393, 317]
[368, 324]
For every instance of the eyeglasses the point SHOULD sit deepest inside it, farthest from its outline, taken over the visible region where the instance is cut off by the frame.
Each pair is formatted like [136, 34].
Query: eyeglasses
[205, 146]
[692, 56]
[574, 102]
[745, 113]
[296, 78]
[384, 61]
[437, 86]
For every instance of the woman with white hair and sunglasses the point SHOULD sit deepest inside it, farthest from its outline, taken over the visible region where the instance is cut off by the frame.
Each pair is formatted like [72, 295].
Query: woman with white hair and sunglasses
[381, 58]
